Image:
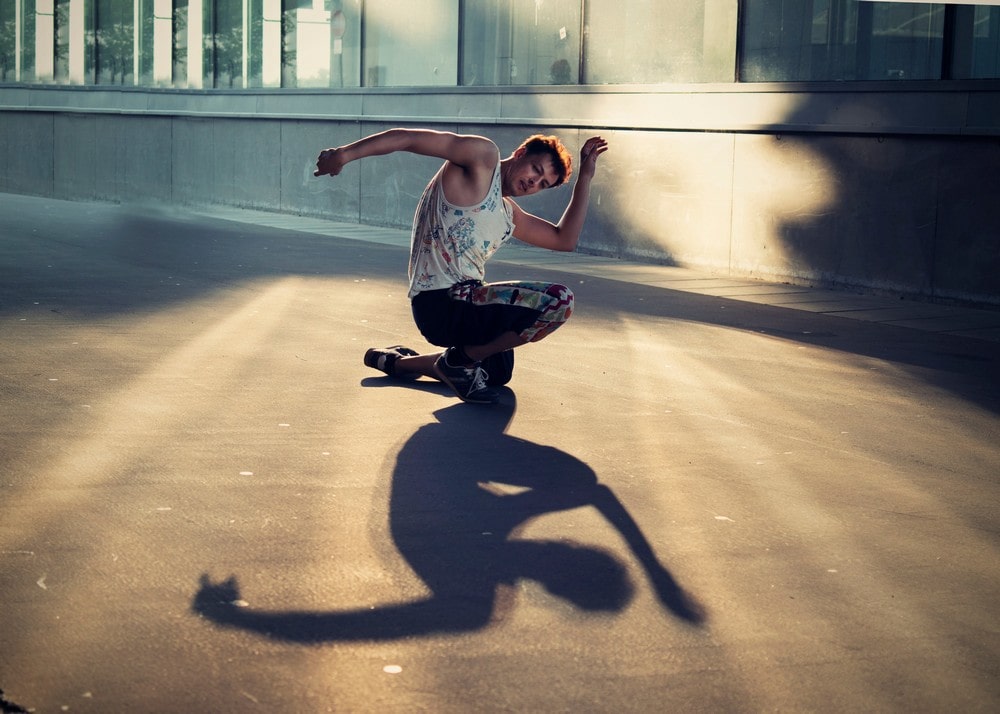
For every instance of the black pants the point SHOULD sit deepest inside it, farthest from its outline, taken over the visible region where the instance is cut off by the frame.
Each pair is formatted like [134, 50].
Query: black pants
[448, 322]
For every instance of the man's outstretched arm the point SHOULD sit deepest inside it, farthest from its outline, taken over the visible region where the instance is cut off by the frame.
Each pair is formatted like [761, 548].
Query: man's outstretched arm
[466, 151]
[565, 234]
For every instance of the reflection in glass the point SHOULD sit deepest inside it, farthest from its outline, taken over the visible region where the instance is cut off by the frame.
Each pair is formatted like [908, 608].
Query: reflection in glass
[350, 43]
[985, 43]
[60, 19]
[975, 53]
[8, 41]
[228, 44]
[660, 41]
[320, 43]
[816, 40]
[180, 43]
[252, 52]
[145, 39]
[521, 42]
[907, 40]
[411, 44]
[308, 36]
[27, 40]
[114, 34]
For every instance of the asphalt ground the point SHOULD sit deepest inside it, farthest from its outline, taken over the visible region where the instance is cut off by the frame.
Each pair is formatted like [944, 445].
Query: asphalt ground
[699, 495]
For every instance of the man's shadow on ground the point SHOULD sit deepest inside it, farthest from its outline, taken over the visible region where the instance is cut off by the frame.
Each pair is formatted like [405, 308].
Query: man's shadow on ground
[462, 491]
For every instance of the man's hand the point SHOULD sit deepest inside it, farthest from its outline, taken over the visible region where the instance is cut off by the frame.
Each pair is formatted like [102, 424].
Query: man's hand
[330, 162]
[594, 147]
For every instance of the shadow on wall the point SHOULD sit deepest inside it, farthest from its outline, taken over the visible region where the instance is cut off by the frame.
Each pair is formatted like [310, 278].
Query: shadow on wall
[904, 214]
[462, 490]
[912, 215]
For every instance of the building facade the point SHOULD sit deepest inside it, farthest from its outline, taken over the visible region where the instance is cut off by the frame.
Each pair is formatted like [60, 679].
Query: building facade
[837, 142]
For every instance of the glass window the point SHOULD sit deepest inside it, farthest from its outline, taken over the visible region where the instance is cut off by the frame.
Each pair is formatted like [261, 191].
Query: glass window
[146, 40]
[114, 41]
[907, 41]
[521, 42]
[660, 41]
[411, 44]
[264, 45]
[289, 43]
[73, 31]
[26, 44]
[228, 44]
[803, 40]
[61, 37]
[975, 52]
[255, 43]
[345, 44]
[155, 39]
[8, 40]
[985, 43]
[180, 43]
[321, 45]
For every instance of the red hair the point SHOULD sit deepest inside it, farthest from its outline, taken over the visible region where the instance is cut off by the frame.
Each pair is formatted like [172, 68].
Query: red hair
[551, 146]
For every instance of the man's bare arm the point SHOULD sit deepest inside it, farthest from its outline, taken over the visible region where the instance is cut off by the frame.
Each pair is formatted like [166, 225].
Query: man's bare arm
[466, 151]
[565, 234]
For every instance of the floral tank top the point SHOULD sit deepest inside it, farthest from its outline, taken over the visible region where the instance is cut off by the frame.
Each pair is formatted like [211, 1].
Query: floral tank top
[451, 244]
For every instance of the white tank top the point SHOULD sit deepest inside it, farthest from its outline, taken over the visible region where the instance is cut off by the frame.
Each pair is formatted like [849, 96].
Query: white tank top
[450, 244]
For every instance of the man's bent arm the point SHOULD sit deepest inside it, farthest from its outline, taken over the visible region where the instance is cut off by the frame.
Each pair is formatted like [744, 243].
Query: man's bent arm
[462, 150]
[565, 234]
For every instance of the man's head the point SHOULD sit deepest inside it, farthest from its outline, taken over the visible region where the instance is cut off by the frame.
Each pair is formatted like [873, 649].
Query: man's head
[539, 162]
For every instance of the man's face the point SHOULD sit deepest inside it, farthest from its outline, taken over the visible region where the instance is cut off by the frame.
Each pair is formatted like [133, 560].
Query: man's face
[531, 174]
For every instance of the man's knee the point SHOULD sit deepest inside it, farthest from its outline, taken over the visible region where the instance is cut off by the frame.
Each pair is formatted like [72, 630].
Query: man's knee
[563, 300]
[560, 292]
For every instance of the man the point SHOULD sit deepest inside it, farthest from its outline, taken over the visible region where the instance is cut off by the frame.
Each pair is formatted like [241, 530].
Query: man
[464, 216]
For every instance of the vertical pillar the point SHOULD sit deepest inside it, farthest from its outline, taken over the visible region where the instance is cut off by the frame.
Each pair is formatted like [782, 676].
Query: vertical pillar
[45, 40]
[137, 44]
[76, 42]
[245, 74]
[195, 45]
[271, 69]
[18, 38]
[163, 36]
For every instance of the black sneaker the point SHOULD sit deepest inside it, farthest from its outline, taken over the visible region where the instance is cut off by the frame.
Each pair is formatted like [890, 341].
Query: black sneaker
[469, 383]
[384, 360]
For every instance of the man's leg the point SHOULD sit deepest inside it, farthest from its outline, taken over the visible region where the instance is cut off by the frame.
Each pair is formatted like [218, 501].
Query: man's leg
[506, 341]
[492, 319]
[421, 365]
[464, 376]
[551, 304]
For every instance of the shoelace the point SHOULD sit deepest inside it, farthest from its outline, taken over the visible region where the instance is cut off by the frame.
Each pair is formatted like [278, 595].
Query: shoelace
[479, 378]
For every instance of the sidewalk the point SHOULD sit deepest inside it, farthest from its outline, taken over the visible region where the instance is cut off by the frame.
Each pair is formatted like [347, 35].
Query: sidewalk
[691, 497]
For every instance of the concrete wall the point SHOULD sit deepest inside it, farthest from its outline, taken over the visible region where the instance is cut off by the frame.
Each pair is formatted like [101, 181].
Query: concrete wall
[885, 191]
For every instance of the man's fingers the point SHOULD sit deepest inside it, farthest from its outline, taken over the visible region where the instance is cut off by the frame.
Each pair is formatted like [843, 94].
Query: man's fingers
[320, 160]
[328, 164]
[594, 147]
[595, 143]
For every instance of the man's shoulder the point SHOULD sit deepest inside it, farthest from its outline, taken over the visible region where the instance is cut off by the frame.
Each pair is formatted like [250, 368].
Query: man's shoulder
[477, 152]
[467, 180]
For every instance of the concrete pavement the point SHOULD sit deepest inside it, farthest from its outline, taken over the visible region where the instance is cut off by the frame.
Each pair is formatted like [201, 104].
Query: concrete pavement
[699, 495]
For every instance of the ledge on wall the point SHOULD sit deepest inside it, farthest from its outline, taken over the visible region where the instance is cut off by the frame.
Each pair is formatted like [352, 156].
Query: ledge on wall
[957, 108]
